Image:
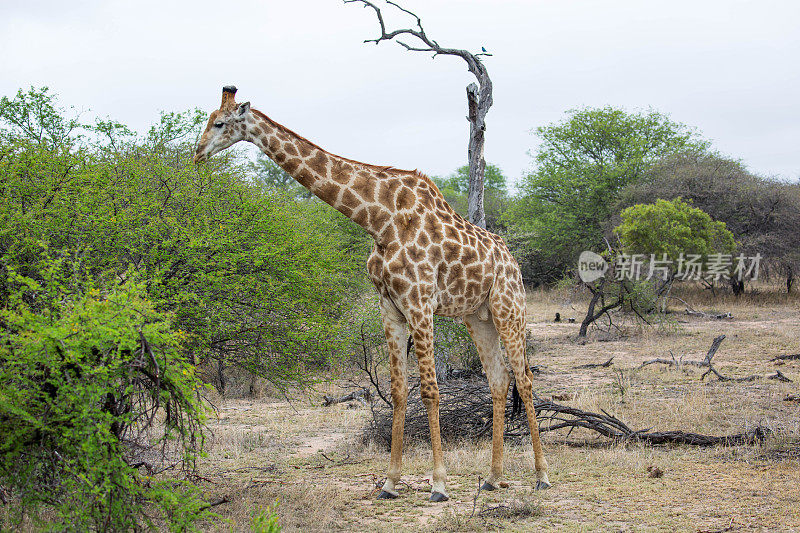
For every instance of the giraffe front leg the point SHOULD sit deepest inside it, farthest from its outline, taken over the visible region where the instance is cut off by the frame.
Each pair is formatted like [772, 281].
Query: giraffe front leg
[395, 329]
[423, 346]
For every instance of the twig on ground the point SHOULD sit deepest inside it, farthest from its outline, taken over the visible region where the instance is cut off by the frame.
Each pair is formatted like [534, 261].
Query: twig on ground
[596, 365]
[220, 501]
[780, 377]
[790, 357]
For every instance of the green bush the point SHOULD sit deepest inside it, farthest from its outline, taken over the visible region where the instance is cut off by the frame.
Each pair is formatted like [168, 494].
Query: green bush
[672, 228]
[92, 383]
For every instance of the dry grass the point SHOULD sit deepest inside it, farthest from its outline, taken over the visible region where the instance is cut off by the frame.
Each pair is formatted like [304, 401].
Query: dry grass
[267, 450]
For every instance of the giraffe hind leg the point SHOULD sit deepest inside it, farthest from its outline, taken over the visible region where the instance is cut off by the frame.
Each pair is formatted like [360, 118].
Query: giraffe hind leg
[395, 328]
[511, 326]
[487, 341]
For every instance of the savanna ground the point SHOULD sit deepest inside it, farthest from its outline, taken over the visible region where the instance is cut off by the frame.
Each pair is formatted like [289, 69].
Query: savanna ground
[311, 461]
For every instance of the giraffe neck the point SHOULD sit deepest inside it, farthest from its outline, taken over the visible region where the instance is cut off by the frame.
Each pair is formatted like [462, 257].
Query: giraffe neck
[350, 187]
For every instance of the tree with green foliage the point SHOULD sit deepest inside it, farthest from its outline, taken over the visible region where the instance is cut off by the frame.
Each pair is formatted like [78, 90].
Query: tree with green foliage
[657, 241]
[673, 229]
[762, 213]
[582, 163]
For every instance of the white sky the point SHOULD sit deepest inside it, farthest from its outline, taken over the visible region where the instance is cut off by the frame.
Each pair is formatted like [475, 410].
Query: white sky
[730, 68]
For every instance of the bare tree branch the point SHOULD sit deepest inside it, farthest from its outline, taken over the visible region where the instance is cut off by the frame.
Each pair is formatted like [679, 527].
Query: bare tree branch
[479, 98]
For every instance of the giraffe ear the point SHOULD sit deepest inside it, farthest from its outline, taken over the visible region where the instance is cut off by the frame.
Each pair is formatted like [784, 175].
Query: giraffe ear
[243, 108]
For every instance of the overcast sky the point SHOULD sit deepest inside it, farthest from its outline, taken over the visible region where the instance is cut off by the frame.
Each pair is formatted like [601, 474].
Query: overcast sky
[729, 68]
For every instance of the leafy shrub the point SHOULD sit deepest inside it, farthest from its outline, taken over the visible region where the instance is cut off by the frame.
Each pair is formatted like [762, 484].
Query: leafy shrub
[93, 384]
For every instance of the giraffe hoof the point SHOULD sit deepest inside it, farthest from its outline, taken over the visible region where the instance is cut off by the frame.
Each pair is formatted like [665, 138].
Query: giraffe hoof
[386, 495]
[488, 486]
[438, 497]
[542, 485]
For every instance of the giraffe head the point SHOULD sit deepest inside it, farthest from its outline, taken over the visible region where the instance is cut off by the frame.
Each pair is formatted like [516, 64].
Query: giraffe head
[226, 126]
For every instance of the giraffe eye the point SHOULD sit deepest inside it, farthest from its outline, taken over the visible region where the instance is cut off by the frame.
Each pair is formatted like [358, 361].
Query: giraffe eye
[219, 124]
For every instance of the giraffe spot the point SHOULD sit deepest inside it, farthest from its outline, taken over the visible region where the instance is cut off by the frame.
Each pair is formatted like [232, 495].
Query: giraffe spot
[456, 273]
[474, 272]
[360, 217]
[450, 232]
[274, 144]
[282, 135]
[279, 158]
[469, 255]
[408, 228]
[327, 192]
[399, 285]
[410, 181]
[318, 163]
[433, 228]
[364, 186]
[473, 289]
[415, 253]
[338, 174]
[423, 239]
[413, 295]
[290, 149]
[386, 192]
[350, 200]
[435, 254]
[405, 199]
[305, 149]
[377, 217]
[305, 177]
[451, 250]
[291, 165]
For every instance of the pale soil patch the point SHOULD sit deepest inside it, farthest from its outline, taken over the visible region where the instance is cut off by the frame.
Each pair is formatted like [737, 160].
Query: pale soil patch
[268, 450]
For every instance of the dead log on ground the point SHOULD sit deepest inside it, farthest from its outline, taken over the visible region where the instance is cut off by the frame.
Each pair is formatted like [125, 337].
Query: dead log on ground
[465, 413]
[361, 395]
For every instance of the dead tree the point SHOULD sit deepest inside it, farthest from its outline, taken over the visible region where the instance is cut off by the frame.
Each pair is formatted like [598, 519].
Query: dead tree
[479, 99]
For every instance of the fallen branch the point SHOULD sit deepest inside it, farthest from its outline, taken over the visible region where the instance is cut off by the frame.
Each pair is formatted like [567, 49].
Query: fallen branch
[465, 412]
[361, 395]
[792, 357]
[220, 501]
[780, 377]
[717, 316]
[705, 363]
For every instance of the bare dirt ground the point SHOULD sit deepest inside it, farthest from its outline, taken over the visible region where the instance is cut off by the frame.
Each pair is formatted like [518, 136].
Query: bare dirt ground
[309, 460]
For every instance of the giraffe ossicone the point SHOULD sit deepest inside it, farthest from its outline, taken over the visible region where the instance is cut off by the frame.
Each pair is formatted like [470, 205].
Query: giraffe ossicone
[427, 261]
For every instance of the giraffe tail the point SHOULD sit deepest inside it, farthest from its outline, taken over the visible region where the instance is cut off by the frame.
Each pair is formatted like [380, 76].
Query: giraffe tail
[516, 402]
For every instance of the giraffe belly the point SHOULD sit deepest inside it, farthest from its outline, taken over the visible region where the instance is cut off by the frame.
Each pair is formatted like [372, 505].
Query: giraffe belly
[460, 305]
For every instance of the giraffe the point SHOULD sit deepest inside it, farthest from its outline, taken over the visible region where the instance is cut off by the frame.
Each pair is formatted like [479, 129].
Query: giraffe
[426, 260]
